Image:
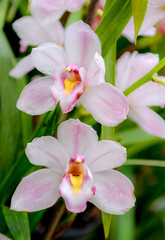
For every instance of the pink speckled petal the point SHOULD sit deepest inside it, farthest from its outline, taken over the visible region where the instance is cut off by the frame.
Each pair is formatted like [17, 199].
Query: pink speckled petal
[114, 192]
[35, 98]
[48, 57]
[76, 136]
[131, 67]
[49, 152]
[148, 120]
[76, 201]
[104, 155]
[96, 71]
[81, 44]
[149, 94]
[23, 67]
[37, 191]
[106, 103]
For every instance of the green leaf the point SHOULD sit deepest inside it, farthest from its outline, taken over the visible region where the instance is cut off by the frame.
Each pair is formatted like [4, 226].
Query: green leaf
[113, 23]
[4, 4]
[106, 218]
[17, 223]
[145, 162]
[139, 8]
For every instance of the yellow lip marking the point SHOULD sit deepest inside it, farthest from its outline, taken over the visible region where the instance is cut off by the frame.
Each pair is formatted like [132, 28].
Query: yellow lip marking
[76, 181]
[69, 85]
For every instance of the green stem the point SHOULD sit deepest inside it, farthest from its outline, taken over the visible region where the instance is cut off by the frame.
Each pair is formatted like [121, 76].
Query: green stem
[146, 162]
[158, 80]
[148, 77]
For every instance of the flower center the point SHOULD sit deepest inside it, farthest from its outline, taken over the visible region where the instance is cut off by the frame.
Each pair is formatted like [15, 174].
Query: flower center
[76, 172]
[73, 71]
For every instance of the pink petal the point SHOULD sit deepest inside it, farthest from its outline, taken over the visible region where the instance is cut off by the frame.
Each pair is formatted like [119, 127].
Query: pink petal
[131, 67]
[29, 30]
[49, 152]
[23, 67]
[106, 103]
[149, 94]
[81, 44]
[114, 192]
[48, 57]
[96, 71]
[74, 5]
[76, 136]
[148, 120]
[104, 155]
[35, 98]
[76, 201]
[37, 191]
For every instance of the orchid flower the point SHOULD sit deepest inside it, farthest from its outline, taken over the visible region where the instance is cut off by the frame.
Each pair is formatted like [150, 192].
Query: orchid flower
[79, 169]
[132, 67]
[48, 10]
[33, 32]
[155, 13]
[74, 74]
[3, 237]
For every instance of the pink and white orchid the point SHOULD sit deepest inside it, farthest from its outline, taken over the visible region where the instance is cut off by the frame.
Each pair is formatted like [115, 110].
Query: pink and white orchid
[74, 74]
[48, 10]
[33, 32]
[155, 13]
[79, 169]
[132, 67]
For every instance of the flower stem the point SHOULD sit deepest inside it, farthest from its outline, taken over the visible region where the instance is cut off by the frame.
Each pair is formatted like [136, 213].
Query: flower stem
[148, 77]
[158, 80]
[92, 12]
[146, 162]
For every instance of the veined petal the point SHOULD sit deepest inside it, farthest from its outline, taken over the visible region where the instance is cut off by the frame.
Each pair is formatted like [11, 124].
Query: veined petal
[131, 67]
[23, 66]
[37, 191]
[76, 200]
[29, 30]
[106, 103]
[49, 152]
[35, 98]
[55, 32]
[114, 192]
[96, 71]
[81, 44]
[76, 136]
[105, 155]
[48, 57]
[148, 120]
[149, 94]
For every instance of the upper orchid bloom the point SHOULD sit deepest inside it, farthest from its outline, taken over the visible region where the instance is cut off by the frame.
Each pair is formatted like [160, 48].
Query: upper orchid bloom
[79, 169]
[48, 10]
[155, 12]
[33, 32]
[75, 74]
[132, 67]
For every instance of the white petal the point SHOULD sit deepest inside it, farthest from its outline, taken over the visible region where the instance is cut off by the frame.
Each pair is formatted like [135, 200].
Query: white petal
[104, 155]
[148, 120]
[131, 67]
[3, 237]
[49, 152]
[81, 44]
[37, 191]
[149, 94]
[76, 201]
[114, 192]
[106, 103]
[76, 136]
[23, 67]
[35, 98]
[29, 30]
[96, 71]
[48, 57]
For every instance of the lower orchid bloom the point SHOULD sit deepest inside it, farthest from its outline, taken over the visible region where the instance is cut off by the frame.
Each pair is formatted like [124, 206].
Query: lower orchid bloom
[34, 32]
[74, 74]
[48, 10]
[155, 13]
[79, 169]
[132, 67]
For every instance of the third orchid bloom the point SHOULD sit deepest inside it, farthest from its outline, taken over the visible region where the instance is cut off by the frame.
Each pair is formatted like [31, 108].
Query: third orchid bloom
[76, 74]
